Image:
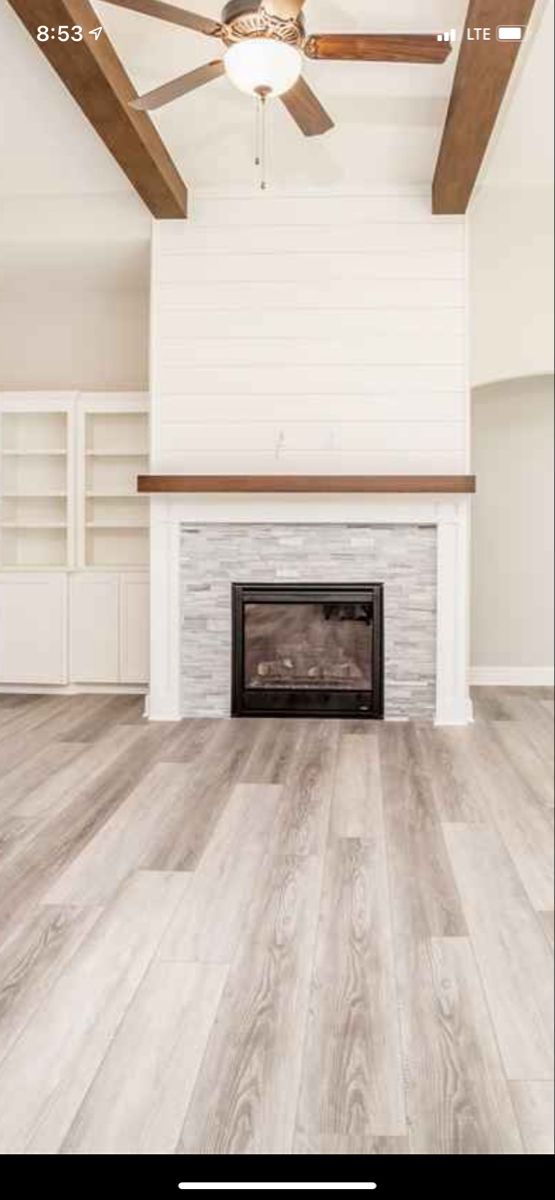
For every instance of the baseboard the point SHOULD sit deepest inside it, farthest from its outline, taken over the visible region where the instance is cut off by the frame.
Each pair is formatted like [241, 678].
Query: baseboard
[70, 689]
[512, 676]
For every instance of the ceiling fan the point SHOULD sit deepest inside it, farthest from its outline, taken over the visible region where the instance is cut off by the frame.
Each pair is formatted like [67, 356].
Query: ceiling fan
[265, 41]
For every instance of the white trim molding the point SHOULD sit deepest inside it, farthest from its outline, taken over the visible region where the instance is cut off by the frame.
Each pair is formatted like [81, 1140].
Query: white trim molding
[512, 676]
[449, 514]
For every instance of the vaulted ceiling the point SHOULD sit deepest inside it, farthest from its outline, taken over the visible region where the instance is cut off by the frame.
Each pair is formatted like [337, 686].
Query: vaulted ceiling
[389, 117]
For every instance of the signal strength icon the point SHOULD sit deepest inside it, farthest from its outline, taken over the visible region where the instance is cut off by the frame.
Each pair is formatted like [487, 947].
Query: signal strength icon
[450, 36]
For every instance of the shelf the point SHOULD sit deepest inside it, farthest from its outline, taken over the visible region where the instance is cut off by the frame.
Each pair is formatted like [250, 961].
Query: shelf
[116, 454]
[33, 525]
[112, 496]
[43, 453]
[130, 528]
[34, 496]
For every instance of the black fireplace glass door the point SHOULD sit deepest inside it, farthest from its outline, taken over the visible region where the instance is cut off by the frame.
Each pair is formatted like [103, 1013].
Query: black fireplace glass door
[308, 645]
[307, 650]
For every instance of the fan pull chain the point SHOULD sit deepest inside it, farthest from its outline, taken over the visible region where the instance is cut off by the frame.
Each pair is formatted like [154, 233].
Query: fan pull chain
[260, 160]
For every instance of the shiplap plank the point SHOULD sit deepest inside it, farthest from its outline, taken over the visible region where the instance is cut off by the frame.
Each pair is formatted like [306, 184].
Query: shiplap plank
[316, 462]
[344, 238]
[376, 436]
[416, 407]
[311, 323]
[247, 267]
[331, 380]
[306, 293]
[309, 210]
[422, 349]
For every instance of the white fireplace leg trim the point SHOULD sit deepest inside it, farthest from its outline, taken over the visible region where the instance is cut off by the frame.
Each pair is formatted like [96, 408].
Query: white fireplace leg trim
[453, 704]
[164, 702]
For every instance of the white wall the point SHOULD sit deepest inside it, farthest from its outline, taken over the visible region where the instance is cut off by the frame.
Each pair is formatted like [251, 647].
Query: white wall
[74, 340]
[512, 583]
[74, 293]
[307, 334]
[511, 283]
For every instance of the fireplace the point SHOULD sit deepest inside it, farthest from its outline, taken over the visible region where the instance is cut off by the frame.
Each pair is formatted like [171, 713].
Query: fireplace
[307, 650]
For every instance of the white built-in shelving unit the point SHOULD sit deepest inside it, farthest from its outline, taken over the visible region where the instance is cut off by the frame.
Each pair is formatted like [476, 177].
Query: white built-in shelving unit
[114, 520]
[35, 483]
[73, 538]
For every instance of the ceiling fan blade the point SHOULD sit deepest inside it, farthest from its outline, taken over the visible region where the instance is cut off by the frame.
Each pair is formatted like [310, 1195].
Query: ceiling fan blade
[306, 110]
[378, 47]
[285, 9]
[179, 87]
[173, 14]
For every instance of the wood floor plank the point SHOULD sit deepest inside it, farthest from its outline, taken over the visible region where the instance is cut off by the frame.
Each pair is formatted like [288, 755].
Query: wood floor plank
[140, 833]
[425, 898]
[45, 1076]
[535, 772]
[511, 951]
[457, 1095]
[216, 771]
[244, 1098]
[23, 719]
[536, 723]
[302, 824]
[188, 739]
[356, 810]
[137, 1101]
[524, 822]
[533, 1104]
[59, 834]
[208, 925]
[491, 704]
[337, 1144]
[456, 795]
[51, 794]
[116, 710]
[546, 919]
[32, 959]
[352, 1079]
[36, 728]
[275, 750]
[35, 771]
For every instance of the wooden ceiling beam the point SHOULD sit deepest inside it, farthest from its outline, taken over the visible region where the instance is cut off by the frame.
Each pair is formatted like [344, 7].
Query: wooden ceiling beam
[483, 72]
[93, 73]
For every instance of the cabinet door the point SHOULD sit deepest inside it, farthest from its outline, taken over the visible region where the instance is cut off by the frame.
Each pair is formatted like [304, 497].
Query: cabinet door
[94, 628]
[134, 628]
[33, 646]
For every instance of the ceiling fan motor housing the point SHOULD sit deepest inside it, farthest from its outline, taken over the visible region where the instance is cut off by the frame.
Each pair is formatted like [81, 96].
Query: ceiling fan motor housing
[243, 19]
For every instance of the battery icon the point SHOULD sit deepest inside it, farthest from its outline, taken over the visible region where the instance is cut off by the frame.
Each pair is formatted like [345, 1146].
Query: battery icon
[510, 33]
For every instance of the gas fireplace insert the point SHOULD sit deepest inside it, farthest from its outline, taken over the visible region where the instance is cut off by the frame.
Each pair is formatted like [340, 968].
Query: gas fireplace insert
[307, 650]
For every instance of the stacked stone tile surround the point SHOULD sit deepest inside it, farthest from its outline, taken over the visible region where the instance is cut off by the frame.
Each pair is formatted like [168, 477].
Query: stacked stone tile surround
[402, 557]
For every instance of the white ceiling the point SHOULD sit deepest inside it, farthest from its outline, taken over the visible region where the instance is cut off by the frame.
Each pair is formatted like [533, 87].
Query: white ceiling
[388, 116]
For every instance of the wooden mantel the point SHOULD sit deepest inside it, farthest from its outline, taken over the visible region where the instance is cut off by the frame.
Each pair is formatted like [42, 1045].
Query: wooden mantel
[390, 484]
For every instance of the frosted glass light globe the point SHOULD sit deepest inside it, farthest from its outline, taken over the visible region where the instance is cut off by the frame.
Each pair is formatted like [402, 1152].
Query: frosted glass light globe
[262, 63]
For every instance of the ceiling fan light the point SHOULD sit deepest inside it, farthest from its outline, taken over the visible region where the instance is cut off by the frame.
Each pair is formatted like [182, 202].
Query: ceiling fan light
[263, 64]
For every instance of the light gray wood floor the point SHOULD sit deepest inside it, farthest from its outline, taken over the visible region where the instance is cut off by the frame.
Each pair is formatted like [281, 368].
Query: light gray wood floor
[286, 937]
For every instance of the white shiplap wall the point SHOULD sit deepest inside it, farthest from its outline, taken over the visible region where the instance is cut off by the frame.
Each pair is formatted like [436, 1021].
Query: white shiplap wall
[303, 334]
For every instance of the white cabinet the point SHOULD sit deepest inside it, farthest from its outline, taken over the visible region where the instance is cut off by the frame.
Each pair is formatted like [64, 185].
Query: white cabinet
[134, 628]
[108, 622]
[33, 622]
[73, 539]
[94, 628]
